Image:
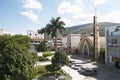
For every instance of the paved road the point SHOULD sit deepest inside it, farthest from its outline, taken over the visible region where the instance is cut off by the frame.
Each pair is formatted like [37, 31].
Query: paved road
[105, 72]
[73, 73]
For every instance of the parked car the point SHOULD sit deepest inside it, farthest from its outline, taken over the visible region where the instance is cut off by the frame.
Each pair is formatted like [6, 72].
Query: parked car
[88, 72]
[71, 63]
[76, 66]
[82, 69]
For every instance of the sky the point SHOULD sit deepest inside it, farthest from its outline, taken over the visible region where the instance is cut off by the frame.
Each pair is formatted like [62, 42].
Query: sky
[18, 16]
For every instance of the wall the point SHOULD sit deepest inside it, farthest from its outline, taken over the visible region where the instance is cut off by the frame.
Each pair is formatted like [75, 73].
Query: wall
[112, 44]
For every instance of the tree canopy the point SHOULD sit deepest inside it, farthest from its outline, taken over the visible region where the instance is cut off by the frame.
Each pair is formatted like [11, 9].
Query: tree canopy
[42, 47]
[60, 59]
[22, 39]
[16, 63]
[54, 28]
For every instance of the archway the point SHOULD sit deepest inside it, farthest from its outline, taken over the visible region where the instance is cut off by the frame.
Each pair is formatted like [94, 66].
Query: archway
[85, 48]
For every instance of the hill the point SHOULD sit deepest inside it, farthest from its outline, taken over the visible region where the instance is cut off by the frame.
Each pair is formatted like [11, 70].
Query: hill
[88, 28]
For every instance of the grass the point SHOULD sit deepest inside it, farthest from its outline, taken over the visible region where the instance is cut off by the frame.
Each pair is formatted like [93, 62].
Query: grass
[47, 70]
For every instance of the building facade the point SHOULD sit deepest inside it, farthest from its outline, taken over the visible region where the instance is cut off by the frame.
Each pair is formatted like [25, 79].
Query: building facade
[70, 42]
[1, 31]
[85, 47]
[36, 39]
[90, 45]
[113, 45]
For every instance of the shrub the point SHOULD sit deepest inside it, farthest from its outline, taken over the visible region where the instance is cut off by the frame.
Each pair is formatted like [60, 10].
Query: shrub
[47, 70]
[42, 47]
[43, 59]
[46, 54]
[60, 59]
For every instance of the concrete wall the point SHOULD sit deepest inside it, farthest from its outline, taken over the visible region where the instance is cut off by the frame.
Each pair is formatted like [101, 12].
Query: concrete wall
[112, 44]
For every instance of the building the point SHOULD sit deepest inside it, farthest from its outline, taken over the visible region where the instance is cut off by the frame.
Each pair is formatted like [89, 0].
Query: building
[35, 35]
[70, 42]
[89, 46]
[73, 41]
[113, 45]
[86, 48]
[36, 39]
[1, 31]
[50, 43]
[65, 41]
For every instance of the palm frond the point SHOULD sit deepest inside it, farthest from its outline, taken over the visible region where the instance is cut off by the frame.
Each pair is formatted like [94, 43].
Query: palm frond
[41, 31]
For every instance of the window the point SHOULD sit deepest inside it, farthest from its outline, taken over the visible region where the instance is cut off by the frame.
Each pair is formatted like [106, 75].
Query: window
[114, 41]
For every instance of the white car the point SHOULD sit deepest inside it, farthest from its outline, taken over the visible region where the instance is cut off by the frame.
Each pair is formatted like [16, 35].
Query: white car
[88, 71]
[76, 66]
[82, 69]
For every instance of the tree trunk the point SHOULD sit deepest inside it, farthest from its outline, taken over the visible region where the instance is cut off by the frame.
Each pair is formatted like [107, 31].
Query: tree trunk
[55, 44]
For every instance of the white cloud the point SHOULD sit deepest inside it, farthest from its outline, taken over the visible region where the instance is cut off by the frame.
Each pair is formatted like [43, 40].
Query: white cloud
[66, 21]
[32, 4]
[99, 2]
[79, 1]
[30, 15]
[84, 17]
[113, 16]
[67, 7]
[76, 11]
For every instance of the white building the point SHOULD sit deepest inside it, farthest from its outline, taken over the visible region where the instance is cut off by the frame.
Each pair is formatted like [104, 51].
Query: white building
[33, 34]
[1, 31]
[36, 39]
[113, 45]
[51, 43]
[73, 41]
[65, 41]
[70, 42]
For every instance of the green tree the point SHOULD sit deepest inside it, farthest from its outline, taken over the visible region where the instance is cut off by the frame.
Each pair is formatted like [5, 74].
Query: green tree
[4, 40]
[60, 59]
[102, 55]
[42, 47]
[16, 63]
[54, 28]
[22, 39]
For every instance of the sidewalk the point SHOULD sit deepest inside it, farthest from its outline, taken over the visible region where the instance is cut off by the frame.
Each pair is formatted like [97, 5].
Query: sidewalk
[72, 73]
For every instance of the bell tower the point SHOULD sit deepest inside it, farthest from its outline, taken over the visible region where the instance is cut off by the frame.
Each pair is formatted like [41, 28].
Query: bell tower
[96, 44]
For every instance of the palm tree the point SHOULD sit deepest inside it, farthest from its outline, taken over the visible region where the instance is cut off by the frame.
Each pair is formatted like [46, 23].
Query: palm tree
[54, 28]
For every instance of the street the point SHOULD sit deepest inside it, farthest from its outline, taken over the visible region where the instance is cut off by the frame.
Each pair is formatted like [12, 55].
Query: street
[105, 72]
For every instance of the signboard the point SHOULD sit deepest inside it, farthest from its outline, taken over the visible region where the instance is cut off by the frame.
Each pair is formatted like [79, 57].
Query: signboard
[115, 58]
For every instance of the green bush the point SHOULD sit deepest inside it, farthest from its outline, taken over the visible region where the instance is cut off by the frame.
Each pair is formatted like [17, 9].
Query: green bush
[42, 47]
[46, 54]
[47, 70]
[41, 71]
[60, 59]
[43, 59]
